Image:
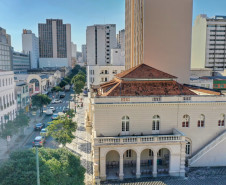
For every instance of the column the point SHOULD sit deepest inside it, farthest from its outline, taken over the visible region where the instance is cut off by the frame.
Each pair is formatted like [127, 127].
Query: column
[182, 159]
[154, 173]
[138, 166]
[102, 166]
[121, 167]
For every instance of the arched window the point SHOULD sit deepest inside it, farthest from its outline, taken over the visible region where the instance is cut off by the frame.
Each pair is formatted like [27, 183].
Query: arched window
[125, 124]
[155, 122]
[186, 120]
[201, 121]
[188, 147]
[221, 120]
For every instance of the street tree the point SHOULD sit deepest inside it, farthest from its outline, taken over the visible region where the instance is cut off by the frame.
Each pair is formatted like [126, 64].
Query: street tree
[78, 86]
[9, 129]
[62, 130]
[79, 77]
[57, 167]
[63, 83]
[21, 120]
[40, 100]
[56, 89]
[68, 80]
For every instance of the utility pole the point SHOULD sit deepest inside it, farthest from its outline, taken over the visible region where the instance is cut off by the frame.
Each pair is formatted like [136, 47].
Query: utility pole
[37, 166]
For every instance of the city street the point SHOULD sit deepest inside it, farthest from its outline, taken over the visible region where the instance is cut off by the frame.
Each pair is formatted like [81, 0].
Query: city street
[50, 142]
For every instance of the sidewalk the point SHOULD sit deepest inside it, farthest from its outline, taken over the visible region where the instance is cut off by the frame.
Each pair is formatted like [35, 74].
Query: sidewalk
[81, 145]
[18, 141]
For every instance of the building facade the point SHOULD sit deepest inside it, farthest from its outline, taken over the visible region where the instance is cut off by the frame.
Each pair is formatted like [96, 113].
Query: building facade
[54, 43]
[152, 35]
[22, 95]
[30, 44]
[84, 53]
[100, 39]
[5, 51]
[8, 104]
[145, 124]
[121, 39]
[208, 43]
[21, 62]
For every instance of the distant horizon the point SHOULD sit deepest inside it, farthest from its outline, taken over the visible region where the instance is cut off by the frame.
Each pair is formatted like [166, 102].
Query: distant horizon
[26, 14]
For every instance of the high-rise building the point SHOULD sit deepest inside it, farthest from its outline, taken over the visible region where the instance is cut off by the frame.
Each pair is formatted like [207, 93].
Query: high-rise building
[30, 45]
[121, 39]
[158, 33]
[208, 43]
[73, 49]
[5, 51]
[84, 53]
[100, 39]
[54, 43]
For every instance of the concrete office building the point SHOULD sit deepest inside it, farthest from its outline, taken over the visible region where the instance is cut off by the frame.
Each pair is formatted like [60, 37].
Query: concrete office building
[54, 44]
[21, 62]
[5, 51]
[121, 39]
[30, 44]
[84, 53]
[158, 33]
[208, 43]
[73, 49]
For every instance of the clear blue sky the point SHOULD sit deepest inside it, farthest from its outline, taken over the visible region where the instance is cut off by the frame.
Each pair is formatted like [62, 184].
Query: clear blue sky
[16, 15]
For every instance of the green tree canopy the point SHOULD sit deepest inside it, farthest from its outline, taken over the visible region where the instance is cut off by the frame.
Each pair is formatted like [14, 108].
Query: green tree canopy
[9, 129]
[68, 80]
[78, 86]
[63, 83]
[79, 77]
[57, 167]
[62, 130]
[56, 89]
[21, 120]
[40, 100]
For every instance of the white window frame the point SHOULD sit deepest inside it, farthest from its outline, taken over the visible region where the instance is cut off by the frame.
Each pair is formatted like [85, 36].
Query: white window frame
[155, 124]
[125, 125]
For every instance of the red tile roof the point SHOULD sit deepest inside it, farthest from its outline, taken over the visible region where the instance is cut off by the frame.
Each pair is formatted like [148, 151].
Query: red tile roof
[143, 80]
[144, 71]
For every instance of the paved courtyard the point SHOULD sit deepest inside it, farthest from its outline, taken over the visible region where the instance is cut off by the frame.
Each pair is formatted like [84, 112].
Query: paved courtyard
[195, 176]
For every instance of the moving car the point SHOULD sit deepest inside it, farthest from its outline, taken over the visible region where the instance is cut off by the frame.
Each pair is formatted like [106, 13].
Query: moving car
[39, 126]
[56, 101]
[49, 112]
[38, 141]
[52, 108]
[44, 132]
[54, 116]
[62, 94]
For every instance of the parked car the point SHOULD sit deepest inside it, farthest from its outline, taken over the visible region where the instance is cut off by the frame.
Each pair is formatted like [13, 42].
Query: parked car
[38, 141]
[44, 132]
[67, 87]
[62, 94]
[54, 116]
[65, 109]
[53, 109]
[56, 101]
[49, 112]
[39, 126]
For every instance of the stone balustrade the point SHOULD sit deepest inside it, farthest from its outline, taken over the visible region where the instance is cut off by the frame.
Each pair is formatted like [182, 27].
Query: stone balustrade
[138, 139]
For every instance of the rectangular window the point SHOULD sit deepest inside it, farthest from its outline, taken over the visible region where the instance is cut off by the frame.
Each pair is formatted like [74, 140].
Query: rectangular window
[129, 153]
[187, 98]
[151, 153]
[156, 99]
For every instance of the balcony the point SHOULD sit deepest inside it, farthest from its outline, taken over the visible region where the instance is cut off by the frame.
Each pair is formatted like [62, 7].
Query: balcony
[177, 136]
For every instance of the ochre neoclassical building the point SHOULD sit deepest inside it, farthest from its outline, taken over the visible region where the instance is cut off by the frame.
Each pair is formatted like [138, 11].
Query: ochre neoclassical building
[144, 123]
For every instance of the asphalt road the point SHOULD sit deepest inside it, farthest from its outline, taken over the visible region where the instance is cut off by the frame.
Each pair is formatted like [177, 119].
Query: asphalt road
[50, 142]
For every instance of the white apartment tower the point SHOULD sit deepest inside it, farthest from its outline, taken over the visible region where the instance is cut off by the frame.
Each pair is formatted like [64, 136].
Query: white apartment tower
[73, 49]
[84, 53]
[121, 39]
[158, 33]
[30, 43]
[100, 40]
[208, 43]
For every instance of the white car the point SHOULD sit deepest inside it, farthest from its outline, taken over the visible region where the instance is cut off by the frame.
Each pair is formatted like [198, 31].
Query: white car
[56, 101]
[52, 108]
[49, 112]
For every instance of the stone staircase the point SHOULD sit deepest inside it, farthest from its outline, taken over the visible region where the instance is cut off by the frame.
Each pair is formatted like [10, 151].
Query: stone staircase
[207, 148]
